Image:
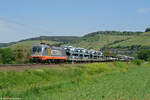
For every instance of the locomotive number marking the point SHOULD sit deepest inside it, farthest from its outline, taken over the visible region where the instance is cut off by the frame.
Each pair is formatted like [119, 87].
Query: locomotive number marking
[49, 52]
[36, 53]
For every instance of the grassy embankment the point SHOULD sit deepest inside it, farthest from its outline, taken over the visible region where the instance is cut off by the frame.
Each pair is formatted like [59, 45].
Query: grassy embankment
[97, 81]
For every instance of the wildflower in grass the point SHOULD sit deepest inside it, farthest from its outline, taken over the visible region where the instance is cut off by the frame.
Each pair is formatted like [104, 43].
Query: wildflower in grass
[37, 85]
[6, 97]
[124, 69]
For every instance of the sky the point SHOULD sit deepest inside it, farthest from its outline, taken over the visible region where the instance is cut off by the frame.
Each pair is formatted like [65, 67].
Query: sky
[21, 19]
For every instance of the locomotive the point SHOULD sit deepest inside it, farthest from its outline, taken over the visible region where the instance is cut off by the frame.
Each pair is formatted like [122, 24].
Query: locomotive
[51, 54]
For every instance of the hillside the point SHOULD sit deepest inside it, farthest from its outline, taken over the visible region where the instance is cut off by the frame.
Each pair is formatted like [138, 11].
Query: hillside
[30, 43]
[111, 41]
[142, 40]
[97, 40]
[48, 39]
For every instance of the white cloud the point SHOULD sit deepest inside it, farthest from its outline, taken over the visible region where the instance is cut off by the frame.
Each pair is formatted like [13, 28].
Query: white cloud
[143, 10]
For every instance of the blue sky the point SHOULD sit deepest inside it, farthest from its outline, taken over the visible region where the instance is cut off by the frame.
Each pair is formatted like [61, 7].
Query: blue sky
[20, 19]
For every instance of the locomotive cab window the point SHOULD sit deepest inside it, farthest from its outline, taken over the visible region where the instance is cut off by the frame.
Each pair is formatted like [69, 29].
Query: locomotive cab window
[36, 49]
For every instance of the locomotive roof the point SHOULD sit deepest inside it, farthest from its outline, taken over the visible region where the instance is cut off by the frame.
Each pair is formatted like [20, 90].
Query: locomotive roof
[42, 45]
[48, 46]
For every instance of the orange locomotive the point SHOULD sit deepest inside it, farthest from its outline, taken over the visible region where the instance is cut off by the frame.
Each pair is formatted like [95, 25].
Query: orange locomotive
[51, 54]
[47, 53]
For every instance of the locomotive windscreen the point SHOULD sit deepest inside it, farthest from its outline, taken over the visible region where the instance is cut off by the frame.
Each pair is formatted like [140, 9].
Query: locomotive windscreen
[36, 49]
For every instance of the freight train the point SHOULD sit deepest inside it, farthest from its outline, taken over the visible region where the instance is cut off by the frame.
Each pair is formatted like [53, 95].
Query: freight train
[45, 53]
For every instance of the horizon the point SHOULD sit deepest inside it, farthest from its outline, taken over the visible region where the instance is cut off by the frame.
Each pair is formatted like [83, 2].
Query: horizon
[67, 35]
[30, 18]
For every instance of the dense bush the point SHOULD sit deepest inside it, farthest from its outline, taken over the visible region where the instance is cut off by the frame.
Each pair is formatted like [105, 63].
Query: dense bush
[147, 29]
[144, 55]
[18, 55]
[6, 56]
[21, 55]
[137, 62]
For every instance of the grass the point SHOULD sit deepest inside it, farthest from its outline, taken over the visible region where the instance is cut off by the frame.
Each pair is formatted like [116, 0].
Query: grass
[97, 81]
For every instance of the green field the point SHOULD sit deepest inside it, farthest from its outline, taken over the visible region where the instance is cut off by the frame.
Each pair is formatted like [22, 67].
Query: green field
[97, 81]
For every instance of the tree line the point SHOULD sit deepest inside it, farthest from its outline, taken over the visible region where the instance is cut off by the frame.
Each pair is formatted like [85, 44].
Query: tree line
[113, 33]
[144, 55]
[147, 29]
[18, 55]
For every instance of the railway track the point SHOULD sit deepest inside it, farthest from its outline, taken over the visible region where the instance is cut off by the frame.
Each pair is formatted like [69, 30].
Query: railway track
[47, 64]
[3, 65]
[21, 67]
[11, 66]
[24, 65]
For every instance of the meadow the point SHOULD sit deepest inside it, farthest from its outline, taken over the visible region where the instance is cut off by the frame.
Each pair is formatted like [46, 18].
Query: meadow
[96, 81]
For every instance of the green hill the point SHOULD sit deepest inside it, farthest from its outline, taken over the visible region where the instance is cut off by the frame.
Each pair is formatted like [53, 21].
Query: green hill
[54, 40]
[30, 43]
[142, 40]
[105, 40]
[101, 39]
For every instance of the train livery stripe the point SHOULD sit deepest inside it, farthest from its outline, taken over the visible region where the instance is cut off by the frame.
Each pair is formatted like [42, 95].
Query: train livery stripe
[49, 57]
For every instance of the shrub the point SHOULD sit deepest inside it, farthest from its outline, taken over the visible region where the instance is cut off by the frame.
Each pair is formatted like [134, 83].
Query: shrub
[6, 56]
[1, 62]
[137, 62]
[21, 54]
[147, 29]
[144, 55]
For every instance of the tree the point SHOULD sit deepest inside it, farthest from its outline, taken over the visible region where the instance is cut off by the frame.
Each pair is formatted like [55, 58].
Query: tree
[147, 29]
[144, 55]
[1, 62]
[21, 54]
[6, 56]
